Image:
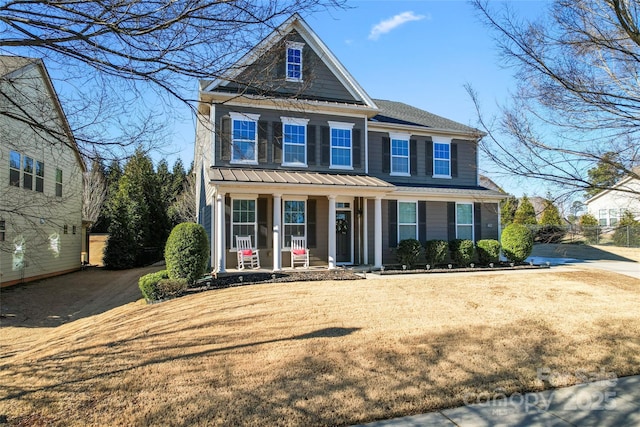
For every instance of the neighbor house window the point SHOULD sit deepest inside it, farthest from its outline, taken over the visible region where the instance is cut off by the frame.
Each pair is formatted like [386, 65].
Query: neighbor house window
[59, 182]
[399, 154]
[441, 159]
[244, 145]
[614, 217]
[294, 220]
[14, 168]
[294, 141]
[39, 176]
[294, 61]
[407, 220]
[3, 230]
[341, 144]
[73, 229]
[464, 221]
[243, 220]
[27, 173]
[609, 217]
[65, 229]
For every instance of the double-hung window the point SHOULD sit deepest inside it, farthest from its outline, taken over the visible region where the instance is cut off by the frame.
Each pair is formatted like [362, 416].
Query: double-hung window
[243, 220]
[294, 131]
[464, 221]
[27, 173]
[58, 182]
[407, 220]
[609, 217]
[39, 176]
[3, 229]
[244, 135]
[399, 154]
[14, 168]
[294, 61]
[341, 156]
[441, 158]
[295, 220]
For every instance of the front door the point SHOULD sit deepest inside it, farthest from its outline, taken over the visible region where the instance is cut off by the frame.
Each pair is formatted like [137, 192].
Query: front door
[344, 231]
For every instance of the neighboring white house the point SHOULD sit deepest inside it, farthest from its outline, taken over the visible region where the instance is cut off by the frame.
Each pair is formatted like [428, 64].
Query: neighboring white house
[41, 229]
[610, 205]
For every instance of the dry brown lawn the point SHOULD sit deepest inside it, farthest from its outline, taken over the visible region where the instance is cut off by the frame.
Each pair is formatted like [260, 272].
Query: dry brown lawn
[320, 353]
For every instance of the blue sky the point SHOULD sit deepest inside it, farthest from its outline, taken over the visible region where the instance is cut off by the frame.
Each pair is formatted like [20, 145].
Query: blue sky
[418, 52]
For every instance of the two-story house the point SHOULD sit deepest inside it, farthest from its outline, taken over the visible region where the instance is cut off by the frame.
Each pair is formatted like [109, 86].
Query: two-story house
[289, 144]
[41, 230]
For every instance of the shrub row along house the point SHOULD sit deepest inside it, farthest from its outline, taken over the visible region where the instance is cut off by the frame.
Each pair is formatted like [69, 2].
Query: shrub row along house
[288, 145]
[41, 228]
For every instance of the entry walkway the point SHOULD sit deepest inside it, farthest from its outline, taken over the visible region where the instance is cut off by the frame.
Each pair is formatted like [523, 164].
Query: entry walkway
[604, 403]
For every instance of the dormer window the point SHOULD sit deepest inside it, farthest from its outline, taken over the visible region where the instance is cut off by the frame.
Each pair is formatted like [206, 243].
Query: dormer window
[294, 61]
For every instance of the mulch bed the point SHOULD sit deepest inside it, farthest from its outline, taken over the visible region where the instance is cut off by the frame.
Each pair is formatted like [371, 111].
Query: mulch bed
[397, 269]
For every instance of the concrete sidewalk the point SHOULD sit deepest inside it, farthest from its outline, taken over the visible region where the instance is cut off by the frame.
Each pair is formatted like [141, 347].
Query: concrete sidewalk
[613, 402]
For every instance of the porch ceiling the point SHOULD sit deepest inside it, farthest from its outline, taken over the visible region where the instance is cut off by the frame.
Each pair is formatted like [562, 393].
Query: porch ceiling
[269, 178]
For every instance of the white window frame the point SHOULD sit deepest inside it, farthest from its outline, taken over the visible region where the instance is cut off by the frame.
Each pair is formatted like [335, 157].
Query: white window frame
[293, 121]
[285, 224]
[458, 224]
[18, 169]
[37, 177]
[254, 199]
[244, 117]
[341, 126]
[442, 141]
[402, 137]
[59, 183]
[415, 203]
[3, 230]
[296, 46]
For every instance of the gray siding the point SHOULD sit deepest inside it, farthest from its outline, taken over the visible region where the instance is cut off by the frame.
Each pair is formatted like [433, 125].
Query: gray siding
[437, 221]
[467, 169]
[489, 221]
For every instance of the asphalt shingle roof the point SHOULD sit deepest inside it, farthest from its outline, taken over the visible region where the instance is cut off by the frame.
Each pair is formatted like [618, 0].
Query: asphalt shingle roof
[400, 113]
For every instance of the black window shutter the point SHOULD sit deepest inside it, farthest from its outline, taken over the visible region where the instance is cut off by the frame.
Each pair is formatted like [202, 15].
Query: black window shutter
[357, 161]
[393, 223]
[454, 160]
[386, 154]
[277, 142]
[311, 145]
[227, 222]
[311, 223]
[225, 138]
[429, 156]
[263, 224]
[422, 222]
[262, 141]
[451, 220]
[477, 221]
[326, 146]
[413, 157]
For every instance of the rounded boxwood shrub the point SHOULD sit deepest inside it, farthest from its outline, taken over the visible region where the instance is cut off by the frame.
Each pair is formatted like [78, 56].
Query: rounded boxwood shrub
[488, 251]
[436, 251]
[462, 251]
[409, 252]
[187, 252]
[148, 284]
[517, 242]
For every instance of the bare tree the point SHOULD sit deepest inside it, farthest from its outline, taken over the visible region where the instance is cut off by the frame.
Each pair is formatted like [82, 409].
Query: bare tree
[577, 101]
[184, 208]
[120, 64]
[94, 192]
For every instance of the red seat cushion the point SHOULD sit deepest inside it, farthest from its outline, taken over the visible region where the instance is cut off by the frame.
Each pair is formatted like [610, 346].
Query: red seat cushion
[299, 251]
[247, 252]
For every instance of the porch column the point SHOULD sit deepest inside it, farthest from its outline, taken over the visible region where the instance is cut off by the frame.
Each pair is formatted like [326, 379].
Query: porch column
[377, 234]
[277, 225]
[332, 232]
[220, 249]
[365, 233]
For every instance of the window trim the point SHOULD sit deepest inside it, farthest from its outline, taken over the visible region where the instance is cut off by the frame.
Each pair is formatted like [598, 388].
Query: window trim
[341, 126]
[58, 183]
[472, 224]
[39, 177]
[244, 117]
[253, 198]
[415, 203]
[285, 224]
[441, 141]
[294, 121]
[295, 46]
[26, 174]
[403, 137]
[3, 230]
[19, 169]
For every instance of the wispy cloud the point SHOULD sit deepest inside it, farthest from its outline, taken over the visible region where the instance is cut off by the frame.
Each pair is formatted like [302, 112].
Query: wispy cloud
[383, 27]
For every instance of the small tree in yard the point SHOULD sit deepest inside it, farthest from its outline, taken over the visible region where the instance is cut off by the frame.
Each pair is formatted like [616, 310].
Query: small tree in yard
[589, 226]
[628, 231]
[187, 252]
[409, 252]
[517, 242]
[525, 214]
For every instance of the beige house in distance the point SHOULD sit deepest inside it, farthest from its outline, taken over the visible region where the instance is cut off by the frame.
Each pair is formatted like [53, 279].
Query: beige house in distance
[41, 231]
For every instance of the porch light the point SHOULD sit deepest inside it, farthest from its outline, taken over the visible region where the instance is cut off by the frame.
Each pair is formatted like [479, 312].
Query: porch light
[428, 267]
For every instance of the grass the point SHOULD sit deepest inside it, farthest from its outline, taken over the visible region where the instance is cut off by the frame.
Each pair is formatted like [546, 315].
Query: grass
[321, 353]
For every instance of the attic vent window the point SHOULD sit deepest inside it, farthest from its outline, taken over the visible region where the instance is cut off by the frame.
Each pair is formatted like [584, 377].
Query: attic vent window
[294, 61]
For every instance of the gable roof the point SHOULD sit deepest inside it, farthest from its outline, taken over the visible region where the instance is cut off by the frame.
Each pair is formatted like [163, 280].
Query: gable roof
[394, 112]
[295, 22]
[8, 63]
[625, 180]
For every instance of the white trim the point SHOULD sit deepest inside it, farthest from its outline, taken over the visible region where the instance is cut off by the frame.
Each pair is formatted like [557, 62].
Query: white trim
[249, 197]
[473, 225]
[415, 202]
[341, 126]
[351, 233]
[295, 46]
[214, 140]
[244, 117]
[402, 137]
[366, 145]
[294, 121]
[441, 141]
[284, 224]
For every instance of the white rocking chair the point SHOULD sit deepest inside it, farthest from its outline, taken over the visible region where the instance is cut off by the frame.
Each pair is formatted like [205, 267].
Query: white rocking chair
[299, 252]
[247, 256]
